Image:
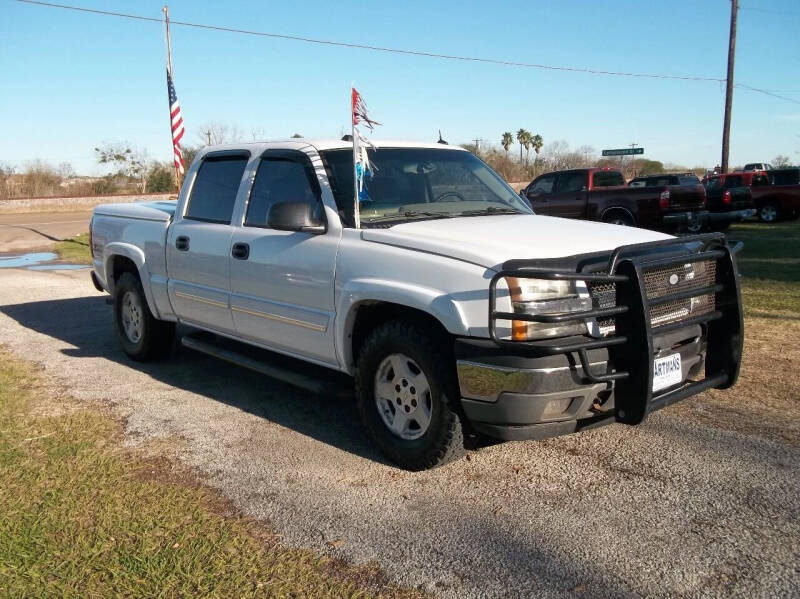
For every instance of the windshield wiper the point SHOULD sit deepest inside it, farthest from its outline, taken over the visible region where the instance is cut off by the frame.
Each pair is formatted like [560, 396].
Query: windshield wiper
[489, 210]
[410, 214]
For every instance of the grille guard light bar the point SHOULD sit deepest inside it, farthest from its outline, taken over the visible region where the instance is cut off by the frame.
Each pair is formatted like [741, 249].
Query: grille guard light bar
[625, 268]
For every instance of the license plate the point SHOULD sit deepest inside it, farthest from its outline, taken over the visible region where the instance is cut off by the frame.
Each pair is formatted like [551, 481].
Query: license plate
[667, 372]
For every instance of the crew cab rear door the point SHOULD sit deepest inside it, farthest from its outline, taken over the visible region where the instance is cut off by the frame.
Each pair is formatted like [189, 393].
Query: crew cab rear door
[199, 241]
[282, 281]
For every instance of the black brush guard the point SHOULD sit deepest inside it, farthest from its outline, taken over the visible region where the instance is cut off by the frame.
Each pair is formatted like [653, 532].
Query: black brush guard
[631, 347]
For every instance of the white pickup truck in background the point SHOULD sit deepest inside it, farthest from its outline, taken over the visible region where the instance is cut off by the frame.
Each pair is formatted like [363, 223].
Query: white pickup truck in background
[458, 312]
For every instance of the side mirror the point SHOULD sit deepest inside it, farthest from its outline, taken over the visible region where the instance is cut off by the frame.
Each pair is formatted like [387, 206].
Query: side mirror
[294, 216]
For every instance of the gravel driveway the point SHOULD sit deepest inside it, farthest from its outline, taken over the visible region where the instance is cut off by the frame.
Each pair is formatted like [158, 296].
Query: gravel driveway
[672, 507]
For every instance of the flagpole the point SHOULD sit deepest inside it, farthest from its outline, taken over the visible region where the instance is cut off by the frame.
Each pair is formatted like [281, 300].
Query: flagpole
[356, 207]
[165, 10]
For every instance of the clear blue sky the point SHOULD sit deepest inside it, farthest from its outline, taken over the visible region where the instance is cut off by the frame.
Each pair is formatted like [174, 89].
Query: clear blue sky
[72, 80]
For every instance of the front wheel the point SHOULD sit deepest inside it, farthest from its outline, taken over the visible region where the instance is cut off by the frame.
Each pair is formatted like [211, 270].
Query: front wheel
[142, 336]
[407, 396]
[768, 213]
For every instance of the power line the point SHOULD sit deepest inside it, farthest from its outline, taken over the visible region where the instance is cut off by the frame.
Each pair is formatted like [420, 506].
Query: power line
[770, 10]
[767, 92]
[340, 44]
[409, 52]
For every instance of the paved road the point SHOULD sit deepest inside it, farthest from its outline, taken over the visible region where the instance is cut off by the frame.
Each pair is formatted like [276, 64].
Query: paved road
[39, 230]
[671, 508]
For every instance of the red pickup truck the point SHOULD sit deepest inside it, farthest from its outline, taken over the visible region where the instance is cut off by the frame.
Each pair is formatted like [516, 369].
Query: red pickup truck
[601, 194]
[781, 198]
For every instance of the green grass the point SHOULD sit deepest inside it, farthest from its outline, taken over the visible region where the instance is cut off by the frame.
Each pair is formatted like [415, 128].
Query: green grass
[770, 265]
[75, 250]
[81, 517]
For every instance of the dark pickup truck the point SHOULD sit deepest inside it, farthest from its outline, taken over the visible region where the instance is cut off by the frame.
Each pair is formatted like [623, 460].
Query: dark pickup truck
[729, 198]
[780, 200]
[601, 194]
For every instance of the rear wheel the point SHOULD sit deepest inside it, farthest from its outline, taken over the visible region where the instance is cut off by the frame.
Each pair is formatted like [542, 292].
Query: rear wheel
[142, 336]
[768, 213]
[407, 396]
[619, 217]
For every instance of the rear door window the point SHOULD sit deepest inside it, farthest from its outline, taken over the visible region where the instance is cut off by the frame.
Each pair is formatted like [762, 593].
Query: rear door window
[215, 187]
[608, 179]
[570, 182]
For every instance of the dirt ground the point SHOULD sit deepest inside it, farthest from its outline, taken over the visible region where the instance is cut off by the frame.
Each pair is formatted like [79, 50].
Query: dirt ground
[703, 499]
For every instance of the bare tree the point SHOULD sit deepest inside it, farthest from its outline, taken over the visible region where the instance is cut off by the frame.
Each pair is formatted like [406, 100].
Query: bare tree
[211, 134]
[127, 160]
[781, 160]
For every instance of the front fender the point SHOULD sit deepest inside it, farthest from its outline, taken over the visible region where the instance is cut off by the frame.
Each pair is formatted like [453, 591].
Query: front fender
[358, 291]
[135, 255]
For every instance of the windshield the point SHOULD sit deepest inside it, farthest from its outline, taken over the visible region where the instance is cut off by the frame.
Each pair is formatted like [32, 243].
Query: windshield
[419, 183]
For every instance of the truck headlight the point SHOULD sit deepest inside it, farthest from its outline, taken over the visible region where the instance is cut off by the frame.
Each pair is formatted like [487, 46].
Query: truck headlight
[545, 296]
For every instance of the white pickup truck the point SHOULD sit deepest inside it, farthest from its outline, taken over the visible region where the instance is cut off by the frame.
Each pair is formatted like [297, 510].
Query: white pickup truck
[459, 313]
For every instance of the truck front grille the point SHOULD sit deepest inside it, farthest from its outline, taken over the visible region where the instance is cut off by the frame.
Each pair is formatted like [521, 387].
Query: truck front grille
[661, 281]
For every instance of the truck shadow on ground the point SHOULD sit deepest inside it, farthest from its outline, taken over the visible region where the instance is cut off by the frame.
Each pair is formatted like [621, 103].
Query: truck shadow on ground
[86, 323]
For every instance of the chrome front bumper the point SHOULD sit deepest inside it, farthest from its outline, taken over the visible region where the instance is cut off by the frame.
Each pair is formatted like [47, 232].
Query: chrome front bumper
[517, 397]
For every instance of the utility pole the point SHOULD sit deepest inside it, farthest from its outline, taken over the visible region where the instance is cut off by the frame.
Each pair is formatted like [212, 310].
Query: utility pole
[477, 146]
[208, 137]
[726, 127]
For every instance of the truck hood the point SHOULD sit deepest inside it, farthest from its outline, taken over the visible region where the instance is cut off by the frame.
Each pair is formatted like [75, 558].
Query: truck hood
[489, 241]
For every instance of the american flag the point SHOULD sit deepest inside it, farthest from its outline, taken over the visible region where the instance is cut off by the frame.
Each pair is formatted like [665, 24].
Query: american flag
[177, 123]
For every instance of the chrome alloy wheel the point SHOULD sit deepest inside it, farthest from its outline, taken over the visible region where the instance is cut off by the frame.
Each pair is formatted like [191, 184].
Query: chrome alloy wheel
[132, 316]
[768, 213]
[403, 397]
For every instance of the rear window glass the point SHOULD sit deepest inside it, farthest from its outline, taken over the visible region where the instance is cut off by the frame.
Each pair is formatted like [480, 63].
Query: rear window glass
[638, 183]
[661, 181]
[733, 181]
[608, 179]
[788, 177]
[215, 187]
[688, 180]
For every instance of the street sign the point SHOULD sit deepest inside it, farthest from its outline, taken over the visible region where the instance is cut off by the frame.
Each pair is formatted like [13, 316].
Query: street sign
[623, 152]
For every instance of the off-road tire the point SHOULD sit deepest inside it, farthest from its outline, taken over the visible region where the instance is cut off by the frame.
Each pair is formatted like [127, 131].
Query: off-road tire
[157, 335]
[444, 439]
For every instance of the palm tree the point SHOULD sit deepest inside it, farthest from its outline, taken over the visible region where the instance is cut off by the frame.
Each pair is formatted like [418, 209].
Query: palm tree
[537, 142]
[527, 143]
[506, 142]
[521, 135]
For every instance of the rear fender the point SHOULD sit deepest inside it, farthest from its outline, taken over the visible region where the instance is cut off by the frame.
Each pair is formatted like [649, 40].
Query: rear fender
[117, 248]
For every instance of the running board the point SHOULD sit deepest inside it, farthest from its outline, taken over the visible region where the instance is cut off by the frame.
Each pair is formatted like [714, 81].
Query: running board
[283, 368]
